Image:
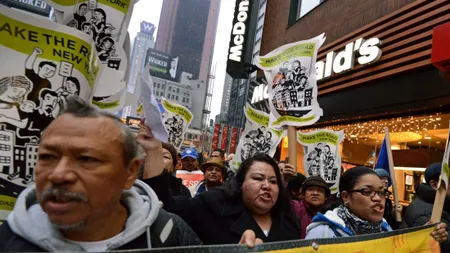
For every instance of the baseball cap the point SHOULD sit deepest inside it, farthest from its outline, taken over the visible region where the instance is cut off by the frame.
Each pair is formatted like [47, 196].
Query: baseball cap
[190, 152]
[432, 172]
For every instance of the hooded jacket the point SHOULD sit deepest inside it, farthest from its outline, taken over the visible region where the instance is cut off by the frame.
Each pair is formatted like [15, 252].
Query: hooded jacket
[29, 229]
[418, 213]
[331, 225]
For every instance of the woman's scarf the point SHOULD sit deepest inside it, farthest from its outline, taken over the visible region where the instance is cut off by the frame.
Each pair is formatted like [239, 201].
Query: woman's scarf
[357, 225]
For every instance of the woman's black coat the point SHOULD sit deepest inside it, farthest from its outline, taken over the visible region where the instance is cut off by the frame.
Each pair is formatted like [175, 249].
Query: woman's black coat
[219, 219]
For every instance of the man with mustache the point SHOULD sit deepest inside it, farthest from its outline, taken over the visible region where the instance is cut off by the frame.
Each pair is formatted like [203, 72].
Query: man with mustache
[315, 192]
[86, 196]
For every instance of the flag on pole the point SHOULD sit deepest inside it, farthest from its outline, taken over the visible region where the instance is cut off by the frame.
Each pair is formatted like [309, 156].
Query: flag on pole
[383, 159]
[386, 162]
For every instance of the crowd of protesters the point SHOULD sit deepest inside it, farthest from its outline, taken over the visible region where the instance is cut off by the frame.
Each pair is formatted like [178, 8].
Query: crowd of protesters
[87, 196]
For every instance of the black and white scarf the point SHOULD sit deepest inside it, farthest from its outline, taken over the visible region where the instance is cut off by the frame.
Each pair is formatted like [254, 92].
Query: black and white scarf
[356, 225]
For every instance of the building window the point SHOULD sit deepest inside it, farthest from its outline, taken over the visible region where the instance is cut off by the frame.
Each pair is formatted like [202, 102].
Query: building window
[176, 98]
[5, 159]
[198, 85]
[178, 90]
[170, 88]
[4, 147]
[159, 85]
[163, 86]
[4, 137]
[184, 100]
[157, 93]
[300, 8]
[187, 100]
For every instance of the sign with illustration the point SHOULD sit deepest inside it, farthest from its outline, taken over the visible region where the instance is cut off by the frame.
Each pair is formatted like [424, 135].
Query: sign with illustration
[445, 172]
[162, 65]
[321, 155]
[291, 73]
[43, 64]
[177, 119]
[257, 137]
[106, 22]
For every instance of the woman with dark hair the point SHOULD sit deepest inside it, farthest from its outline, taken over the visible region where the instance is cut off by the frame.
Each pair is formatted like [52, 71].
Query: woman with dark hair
[362, 194]
[220, 216]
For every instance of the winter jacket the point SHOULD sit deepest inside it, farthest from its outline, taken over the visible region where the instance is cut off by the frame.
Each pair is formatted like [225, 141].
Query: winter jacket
[177, 187]
[418, 213]
[217, 218]
[28, 229]
[304, 214]
[331, 225]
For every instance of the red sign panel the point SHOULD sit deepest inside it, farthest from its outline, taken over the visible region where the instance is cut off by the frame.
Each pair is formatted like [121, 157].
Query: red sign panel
[223, 145]
[215, 137]
[233, 140]
[440, 52]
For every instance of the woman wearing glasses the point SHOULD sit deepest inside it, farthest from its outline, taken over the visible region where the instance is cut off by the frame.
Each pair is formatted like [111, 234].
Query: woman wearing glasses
[362, 194]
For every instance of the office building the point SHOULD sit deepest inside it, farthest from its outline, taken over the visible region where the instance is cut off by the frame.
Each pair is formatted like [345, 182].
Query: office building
[187, 29]
[142, 42]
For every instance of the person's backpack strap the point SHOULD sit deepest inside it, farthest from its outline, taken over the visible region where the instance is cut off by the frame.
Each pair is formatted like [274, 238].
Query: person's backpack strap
[162, 232]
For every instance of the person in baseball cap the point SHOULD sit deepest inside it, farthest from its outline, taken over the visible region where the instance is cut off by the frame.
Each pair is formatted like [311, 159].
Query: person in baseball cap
[189, 159]
[315, 193]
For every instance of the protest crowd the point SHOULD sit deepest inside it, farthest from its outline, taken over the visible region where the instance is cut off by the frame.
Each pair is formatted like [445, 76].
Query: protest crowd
[75, 177]
[88, 196]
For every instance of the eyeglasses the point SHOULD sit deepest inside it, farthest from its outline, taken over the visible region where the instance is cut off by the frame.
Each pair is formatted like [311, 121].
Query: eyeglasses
[371, 193]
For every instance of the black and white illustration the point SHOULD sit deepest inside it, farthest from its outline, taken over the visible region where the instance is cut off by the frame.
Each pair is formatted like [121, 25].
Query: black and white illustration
[175, 127]
[291, 73]
[105, 21]
[35, 83]
[321, 154]
[256, 141]
[257, 137]
[176, 119]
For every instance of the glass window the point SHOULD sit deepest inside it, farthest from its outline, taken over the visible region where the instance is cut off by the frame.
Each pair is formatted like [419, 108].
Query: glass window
[305, 6]
[157, 93]
[176, 97]
[163, 86]
[184, 100]
[198, 85]
[170, 88]
[178, 90]
[159, 85]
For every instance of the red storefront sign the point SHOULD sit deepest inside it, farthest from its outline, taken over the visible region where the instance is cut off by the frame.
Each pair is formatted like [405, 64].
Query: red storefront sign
[440, 52]
[233, 140]
[223, 146]
[216, 136]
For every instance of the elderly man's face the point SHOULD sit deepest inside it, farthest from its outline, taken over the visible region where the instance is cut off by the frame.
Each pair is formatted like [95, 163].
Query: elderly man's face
[80, 172]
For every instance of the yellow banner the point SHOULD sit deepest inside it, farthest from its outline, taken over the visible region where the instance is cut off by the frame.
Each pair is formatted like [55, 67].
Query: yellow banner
[7, 202]
[413, 240]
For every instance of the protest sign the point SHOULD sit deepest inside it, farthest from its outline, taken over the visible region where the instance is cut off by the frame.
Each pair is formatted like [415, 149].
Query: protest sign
[410, 240]
[321, 155]
[43, 63]
[442, 189]
[152, 114]
[291, 72]
[190, 179]
[177, 119]
[106, 21]
[257, 137]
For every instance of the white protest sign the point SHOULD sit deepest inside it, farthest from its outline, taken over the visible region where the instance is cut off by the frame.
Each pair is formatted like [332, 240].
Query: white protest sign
[321, 155]
[257, 137]
[43, 63]
[177, 119]
[290, 70]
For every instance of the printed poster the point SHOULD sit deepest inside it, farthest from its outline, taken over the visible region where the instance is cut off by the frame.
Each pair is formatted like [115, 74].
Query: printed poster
[43, 64]
[106, 22]
[321, 155]
[177, 119]
[257, 137]
[190, 179]
[291, 73]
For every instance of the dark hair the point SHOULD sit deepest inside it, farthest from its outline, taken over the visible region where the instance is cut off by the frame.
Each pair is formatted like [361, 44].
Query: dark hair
[84, 24]
[351, 177]
[76, 82]
[42, 63]
[173, 151]
[46, 91]
[222, 153]
[81, 5]
[282, 206]
[296, 182]
[80, 108]
[327, 146]
[102, 12]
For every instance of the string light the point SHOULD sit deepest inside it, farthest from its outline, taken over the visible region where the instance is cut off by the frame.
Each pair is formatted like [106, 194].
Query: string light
[404, 128]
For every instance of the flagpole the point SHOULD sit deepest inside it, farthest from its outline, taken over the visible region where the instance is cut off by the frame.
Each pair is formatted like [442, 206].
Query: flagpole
[292, 145]
[398, 215]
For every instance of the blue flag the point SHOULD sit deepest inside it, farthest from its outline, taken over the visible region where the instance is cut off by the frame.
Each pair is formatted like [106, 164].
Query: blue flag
[383, 160]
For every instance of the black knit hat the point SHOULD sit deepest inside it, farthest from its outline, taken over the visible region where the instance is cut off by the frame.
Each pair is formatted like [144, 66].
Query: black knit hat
[316, 181]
